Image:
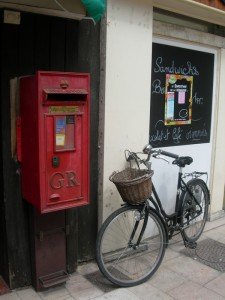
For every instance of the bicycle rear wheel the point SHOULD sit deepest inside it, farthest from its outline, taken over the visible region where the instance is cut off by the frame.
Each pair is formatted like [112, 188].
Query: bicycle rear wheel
[118, 258]
[192, 219]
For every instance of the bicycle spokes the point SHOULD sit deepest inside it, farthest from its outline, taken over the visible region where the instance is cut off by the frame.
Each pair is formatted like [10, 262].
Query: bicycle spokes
[130, 246]
[194, 210]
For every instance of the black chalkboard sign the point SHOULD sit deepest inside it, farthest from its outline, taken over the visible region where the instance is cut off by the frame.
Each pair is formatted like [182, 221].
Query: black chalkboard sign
[181, 96]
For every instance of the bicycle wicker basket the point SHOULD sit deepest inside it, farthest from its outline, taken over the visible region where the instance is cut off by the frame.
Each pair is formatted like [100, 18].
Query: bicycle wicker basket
[134, 185]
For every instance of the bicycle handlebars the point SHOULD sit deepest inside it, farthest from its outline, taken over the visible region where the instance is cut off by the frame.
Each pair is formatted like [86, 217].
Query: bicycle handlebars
[162, 152]
[149, 151]
[180, 161]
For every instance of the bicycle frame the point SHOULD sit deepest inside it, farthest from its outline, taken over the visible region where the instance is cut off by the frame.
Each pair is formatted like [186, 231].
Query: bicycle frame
[171, 221]
[132, 241]
[135, 229]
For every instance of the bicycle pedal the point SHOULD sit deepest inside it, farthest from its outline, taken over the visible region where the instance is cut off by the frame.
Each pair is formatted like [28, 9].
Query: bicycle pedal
[191, 245]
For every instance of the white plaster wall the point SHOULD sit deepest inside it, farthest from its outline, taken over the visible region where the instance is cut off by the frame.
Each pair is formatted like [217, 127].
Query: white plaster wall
[218, 180]
[128, 76]
[127, 102]
[207, 157]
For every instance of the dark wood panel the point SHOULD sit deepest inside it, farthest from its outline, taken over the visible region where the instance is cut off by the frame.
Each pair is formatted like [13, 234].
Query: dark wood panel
[88, 61]
[3, 250]
[71, 45]
[72, 239]
[15, 210]
[26, 45]
[57, 45]
[4, 270]
[42, 42]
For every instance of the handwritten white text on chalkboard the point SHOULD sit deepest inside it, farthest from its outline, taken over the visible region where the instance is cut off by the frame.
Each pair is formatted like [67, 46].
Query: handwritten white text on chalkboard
[176, 134]
[197, 100]
[188, 69]
[196, 135]
[157, 87]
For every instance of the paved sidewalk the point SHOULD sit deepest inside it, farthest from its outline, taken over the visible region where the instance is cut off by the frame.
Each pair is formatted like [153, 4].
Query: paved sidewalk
[179, 277]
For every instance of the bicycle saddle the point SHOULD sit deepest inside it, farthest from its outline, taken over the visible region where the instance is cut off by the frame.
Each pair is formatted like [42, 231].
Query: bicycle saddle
[182, 161]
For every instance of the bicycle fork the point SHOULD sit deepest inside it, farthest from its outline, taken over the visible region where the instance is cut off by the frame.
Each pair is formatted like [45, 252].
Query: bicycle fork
[139, 217]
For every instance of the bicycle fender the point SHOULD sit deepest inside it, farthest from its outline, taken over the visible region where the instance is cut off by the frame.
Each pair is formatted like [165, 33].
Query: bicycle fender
[207, 189]
[202, 182]
[180, 205]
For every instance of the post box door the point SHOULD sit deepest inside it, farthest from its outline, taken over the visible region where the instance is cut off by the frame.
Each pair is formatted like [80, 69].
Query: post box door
[64, 161]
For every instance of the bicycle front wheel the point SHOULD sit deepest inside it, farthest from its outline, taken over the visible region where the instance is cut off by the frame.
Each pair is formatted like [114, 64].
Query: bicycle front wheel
[194, 216]
[120, 257]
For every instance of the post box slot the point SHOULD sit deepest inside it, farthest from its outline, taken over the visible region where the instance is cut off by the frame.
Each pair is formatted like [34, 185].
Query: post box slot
[65, 95]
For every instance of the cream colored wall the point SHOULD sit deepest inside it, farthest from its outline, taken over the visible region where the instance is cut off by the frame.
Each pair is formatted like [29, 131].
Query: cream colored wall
[218, 180]
[127, 92]
[217, 157]
[127, 89]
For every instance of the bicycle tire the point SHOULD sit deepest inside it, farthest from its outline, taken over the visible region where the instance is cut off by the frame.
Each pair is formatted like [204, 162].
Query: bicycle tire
[193, 226]
[118, 261]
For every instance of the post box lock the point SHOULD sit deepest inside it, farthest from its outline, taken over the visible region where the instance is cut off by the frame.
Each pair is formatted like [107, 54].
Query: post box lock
[55, 161]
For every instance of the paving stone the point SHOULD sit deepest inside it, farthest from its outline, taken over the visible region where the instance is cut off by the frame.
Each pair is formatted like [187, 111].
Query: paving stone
[119, 294]
[28, 294]
[217, 285]
[87, 294]
[191, 290]
[87, 268]
[147, 291]
[166, 280]
[10, 296]
[215, 224]
[59, 293]
[178, 278]
[176, 246]
[190, 269]
[170, 254]
[78, 283]
[216, 235]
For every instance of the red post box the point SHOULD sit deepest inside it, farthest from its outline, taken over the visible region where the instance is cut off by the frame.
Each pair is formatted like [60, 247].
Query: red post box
[53, 137]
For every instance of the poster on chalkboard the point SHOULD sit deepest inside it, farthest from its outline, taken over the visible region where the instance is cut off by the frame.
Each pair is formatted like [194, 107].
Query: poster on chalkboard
[181, 96]
[178, 99]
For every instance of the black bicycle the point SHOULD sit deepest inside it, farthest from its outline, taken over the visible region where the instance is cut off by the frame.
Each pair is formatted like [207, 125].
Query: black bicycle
[131, 242]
